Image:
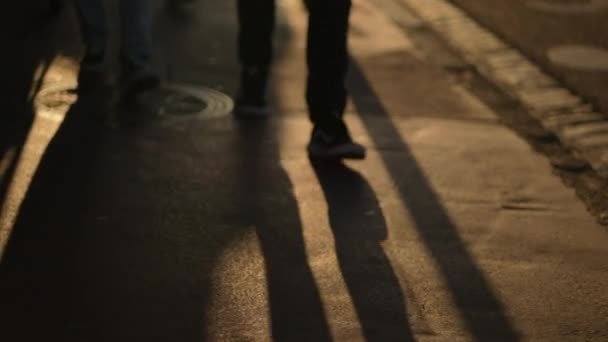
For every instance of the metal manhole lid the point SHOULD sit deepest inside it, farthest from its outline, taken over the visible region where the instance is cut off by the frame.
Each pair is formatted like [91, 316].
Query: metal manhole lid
[188, 101]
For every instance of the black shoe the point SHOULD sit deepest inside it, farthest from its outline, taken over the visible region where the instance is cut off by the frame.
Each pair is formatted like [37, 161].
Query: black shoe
[324, 145]
[138, 80]
[92, 75]
[251, 99]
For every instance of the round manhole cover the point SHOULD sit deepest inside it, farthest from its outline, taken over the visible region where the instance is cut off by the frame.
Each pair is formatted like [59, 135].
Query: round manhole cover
[569, 6]
[580, 57]
[188, 101]
[179, 103]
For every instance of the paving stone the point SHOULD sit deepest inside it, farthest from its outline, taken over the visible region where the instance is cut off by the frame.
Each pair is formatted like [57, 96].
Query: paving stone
[549, 98]
[504, 59]
[583, 108]
[569, 163]
[518, 80]
[584, 130]
[573, 119]
[598, 141]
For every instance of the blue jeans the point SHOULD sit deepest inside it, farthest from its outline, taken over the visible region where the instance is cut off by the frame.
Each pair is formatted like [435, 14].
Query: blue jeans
[135, 30]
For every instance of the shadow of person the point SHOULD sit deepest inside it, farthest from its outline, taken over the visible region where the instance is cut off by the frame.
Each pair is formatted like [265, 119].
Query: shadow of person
[472, 293]
[117, 238]
[38, 268]
[83, 263]
[267, 203]
[120, 232]
[15, 123]
[36, 33]
[21, 85]
[359, 227]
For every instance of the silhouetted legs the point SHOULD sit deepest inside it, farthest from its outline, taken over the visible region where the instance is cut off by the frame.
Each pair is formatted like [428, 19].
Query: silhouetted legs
[136, 43]
[327, 60]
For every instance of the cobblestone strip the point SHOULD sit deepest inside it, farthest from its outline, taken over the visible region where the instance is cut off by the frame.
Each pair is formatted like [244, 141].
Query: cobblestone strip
[565, 114]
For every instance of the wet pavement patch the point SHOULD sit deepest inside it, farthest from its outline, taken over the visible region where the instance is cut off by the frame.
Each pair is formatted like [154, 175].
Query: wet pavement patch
[580, 57]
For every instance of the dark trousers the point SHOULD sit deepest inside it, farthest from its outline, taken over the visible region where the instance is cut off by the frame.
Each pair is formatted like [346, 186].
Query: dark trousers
[327, 57]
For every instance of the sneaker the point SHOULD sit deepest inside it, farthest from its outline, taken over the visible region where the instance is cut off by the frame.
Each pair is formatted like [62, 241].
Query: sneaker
[334, 146]
[92, 75]
[251, 99]
[136, 81]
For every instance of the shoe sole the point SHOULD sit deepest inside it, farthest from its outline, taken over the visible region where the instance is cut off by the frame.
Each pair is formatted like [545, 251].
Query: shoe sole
[139, 86]
[340, 152]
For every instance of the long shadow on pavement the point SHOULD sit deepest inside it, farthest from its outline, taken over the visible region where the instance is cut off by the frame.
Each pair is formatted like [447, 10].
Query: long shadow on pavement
[28, 50]
[120, 234]
[359, 227]
[93, 256]
[41, 265]
[267, 203]
[481, 310]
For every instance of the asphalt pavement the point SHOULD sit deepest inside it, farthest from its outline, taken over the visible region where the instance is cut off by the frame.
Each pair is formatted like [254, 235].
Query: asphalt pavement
[175, 221]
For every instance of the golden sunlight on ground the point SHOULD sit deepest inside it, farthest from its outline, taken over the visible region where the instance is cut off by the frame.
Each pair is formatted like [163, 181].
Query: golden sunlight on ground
[51, 104]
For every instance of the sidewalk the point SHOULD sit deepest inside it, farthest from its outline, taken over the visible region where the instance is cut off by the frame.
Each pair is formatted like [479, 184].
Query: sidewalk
[195, 228]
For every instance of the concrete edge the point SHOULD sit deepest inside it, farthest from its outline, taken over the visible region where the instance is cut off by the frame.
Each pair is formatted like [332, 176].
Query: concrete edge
[572, 119]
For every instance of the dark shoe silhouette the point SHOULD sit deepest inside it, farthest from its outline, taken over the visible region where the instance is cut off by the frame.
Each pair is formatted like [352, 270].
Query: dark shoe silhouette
[251, 99]
[339, 145]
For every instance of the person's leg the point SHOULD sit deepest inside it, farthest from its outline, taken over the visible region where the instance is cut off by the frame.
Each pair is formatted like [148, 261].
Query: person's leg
[94, 35]
[256, 26]
[93, 26]
[136, 44]
[327, 59]
[136, 32]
